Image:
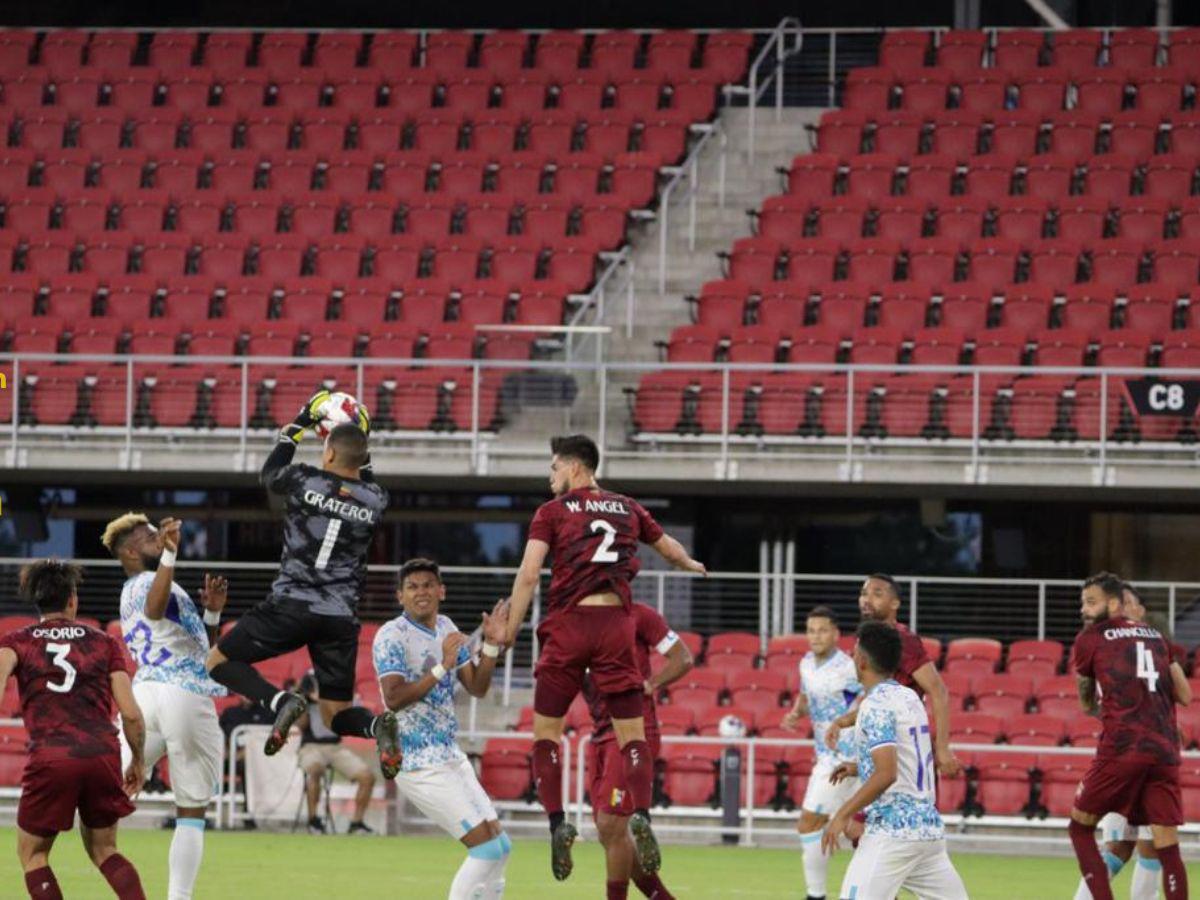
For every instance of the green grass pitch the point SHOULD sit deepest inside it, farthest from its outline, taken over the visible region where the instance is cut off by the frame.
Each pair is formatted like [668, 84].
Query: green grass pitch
[300, 867]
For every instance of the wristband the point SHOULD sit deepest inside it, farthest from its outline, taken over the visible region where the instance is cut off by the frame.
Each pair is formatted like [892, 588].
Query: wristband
[212, 617]
[167, 558]
[491, 651]
[438, 672]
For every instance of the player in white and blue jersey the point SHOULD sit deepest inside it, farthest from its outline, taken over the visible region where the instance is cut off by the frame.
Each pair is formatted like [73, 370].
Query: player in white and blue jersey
[418, 657]
[828, 686]
[904, 845]
[169, 636]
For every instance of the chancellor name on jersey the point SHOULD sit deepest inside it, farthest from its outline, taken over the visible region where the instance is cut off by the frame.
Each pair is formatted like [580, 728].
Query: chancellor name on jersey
[906, 811]
[429, 727]
[329, 525]
[170, 650]
[830, 688]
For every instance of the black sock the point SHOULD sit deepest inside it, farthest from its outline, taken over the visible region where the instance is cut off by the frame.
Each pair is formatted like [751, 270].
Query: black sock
[245, 680]
[556, 819]
[354, 721]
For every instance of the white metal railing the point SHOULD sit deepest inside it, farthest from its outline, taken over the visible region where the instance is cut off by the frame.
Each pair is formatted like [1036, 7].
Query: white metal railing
[688, 171]
[785, 41]
[851, 442]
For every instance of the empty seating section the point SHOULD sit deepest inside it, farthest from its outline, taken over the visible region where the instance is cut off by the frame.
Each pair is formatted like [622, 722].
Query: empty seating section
[1016, 199]
[323, 195]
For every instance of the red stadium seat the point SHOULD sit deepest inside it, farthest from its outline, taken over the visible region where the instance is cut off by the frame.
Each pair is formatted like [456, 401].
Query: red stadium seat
[1004, 787]
[1003, 696]
[690, 772]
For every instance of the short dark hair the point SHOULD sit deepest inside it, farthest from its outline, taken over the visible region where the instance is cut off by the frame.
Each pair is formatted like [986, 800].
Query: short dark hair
[881, 644]
[892, 583]
[1112, 585]
[350, 444]
[1137, 595]
[579, 447]
[49, 584]
[418, 564]
[823, 612]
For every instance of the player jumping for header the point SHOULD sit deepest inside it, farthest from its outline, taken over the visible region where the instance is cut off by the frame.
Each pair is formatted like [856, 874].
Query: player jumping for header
[331, 517]
[68, 676]
[1136, 768]
[592, 535]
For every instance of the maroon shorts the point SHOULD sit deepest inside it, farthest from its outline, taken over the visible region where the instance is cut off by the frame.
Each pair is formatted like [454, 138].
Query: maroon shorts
[1144, 793]
[52, 789]
[607, 784]
[599, 639]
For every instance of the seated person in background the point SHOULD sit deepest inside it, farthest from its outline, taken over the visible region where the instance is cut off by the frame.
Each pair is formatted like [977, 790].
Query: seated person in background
[321, 749]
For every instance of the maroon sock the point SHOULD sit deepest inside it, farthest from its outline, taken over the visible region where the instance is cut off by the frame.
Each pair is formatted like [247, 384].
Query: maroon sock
[1091, 864]
[639, 773]
[122, 877]
[42, 885]
[1174, 875]
[652, 887]
[547, 775]
[617, 890]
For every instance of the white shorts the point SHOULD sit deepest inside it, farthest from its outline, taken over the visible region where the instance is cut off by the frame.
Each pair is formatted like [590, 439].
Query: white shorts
[183, 726]
[882, 865]
[823, 797]
[1115, 827]
[450, 796]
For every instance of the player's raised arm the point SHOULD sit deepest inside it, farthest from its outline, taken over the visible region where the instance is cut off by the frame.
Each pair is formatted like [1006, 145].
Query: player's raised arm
[672, 551]
[398, 692]
[524, 584]
[134, 727]
[166, 540]
[476, 677]
[275, 466]
[931, 683]
[213, 598]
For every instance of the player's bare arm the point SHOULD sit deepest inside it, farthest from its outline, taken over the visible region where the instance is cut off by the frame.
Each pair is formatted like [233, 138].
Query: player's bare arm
[476, 677]
[166, 539]
[398, 693]
[930, 681]
[1183, 690]
[213, 597]
[1087, 694]
[679, 663]
[8, 665]
[871, 790]
[798, 711]
[524, 584]
[134, 727]
[672, 551]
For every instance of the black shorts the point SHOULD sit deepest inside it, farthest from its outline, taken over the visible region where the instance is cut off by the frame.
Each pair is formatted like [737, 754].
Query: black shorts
[275, 627]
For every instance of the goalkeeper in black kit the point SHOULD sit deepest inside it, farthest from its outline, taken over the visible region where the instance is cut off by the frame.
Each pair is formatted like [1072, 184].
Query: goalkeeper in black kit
[330, 520]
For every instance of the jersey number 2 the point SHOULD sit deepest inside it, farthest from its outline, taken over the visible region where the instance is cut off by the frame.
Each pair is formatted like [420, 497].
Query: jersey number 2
[1145, 667]
[604, 553]
[59, 652]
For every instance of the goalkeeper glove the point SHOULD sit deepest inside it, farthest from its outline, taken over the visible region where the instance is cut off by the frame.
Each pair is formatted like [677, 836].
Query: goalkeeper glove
[308, 417]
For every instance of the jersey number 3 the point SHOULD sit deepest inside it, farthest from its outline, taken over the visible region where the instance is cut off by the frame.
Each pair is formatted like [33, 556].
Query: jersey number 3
[59, 652]
[1145, 667]
[604, 553]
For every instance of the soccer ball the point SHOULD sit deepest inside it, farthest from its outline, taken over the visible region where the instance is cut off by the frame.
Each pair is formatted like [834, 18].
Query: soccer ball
[731, 727]
[337, 409]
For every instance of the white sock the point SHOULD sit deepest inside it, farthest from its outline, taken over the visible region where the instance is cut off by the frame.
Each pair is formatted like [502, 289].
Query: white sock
[187, 849]
[1146, 876]
[1112, 862]
[816, 864]
[470, 882]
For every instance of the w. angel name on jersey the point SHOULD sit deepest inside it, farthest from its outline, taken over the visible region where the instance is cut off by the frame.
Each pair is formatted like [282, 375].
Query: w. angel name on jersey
[170, 650]
[830, 687]
[429, 727]
[891, 714]
[329, 527]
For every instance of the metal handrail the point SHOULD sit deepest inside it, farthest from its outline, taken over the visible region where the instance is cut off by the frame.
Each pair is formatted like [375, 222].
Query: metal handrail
[755, 87]
[689, 170]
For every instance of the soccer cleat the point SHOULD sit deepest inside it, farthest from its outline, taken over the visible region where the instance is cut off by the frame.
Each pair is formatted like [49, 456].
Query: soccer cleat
[645, 844]
[387, 742]
[360, 828]
[316, 825]
[292, 708]
[560, 850]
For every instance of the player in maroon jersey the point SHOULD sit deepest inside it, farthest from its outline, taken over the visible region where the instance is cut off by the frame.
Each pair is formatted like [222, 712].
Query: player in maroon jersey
[68, 676]
[1136, 769]
[611, 802]
[593, 536]
[879, 600]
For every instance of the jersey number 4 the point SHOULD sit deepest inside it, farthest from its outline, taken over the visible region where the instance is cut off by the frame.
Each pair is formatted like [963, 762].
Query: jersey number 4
[59, 652]
[604, 553]
[1145, 667]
